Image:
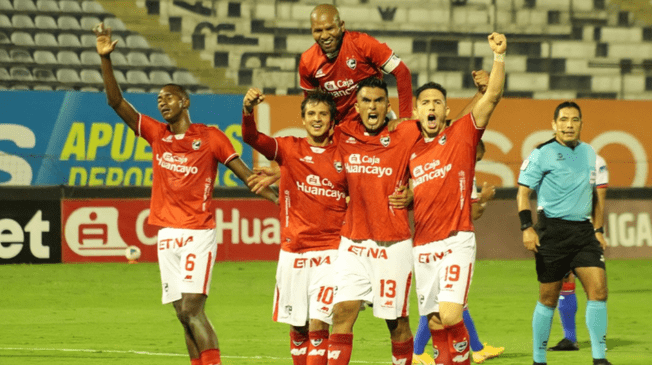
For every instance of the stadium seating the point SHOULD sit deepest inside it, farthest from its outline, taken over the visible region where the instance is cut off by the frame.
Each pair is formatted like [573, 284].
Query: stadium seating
[48, 45]
[571, 48]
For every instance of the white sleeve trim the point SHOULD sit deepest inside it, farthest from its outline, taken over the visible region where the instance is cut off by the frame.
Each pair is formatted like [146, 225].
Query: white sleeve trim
[231, 158]
[140, 117]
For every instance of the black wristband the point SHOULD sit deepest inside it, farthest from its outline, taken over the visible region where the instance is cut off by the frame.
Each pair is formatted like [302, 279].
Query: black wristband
[601, 230]
[526, 219]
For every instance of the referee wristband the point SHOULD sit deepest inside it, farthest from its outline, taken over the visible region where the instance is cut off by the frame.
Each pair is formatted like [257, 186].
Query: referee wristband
[599, 230]
[526, 219]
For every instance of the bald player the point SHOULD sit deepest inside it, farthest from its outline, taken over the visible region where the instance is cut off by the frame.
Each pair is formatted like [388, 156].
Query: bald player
[341, 58]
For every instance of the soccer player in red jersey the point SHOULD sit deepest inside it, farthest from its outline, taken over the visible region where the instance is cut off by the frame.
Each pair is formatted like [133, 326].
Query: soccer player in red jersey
[341, 58]
[442, 166]
[374, 264]
[312, 212]
[185, 165]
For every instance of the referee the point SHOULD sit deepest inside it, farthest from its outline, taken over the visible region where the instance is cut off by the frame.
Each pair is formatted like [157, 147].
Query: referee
[562, 171]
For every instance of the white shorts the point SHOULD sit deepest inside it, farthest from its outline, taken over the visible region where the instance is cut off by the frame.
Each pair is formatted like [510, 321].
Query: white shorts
[443, 271]
[186, 258]
[376, 273]
[304, 287]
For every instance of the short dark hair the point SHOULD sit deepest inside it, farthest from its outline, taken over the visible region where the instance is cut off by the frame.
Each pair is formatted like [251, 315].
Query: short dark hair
[318, 96]
[567, 104]
[180, 89]
[373, 82]
[430, 85]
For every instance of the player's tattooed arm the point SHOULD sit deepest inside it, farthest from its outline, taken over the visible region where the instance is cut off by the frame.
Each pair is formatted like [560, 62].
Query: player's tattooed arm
[113, 94]
[243, 172]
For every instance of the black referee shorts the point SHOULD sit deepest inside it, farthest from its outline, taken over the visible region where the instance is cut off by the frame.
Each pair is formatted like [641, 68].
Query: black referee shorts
[566, 245]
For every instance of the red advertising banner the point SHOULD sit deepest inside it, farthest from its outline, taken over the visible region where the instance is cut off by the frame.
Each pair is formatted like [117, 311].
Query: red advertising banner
[612, 127]
[100, 230]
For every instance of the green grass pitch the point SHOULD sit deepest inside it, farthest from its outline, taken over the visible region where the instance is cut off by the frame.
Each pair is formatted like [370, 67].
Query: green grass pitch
[111, 314]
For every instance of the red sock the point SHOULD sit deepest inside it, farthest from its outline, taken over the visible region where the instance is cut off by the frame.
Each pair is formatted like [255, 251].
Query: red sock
[567, 288]
[318, 348]
[458, 341]
[211, 357]
[195, 362]
[440, 345]
[299, 348]
[339, 348]
[402, 352]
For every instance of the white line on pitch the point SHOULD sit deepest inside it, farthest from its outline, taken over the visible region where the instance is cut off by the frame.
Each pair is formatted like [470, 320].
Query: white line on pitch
[155, 353]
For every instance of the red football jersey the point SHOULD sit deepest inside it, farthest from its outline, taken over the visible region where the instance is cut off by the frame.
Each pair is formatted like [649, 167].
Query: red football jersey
[360, 57]
[312, 194]
[184, 172]
[375, 167]
[442, 171]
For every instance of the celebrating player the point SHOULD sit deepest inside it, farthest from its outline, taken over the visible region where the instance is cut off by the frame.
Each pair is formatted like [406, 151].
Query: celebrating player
[310, 185]
[481, 352]
[374, 264]
[442, 168]
[185, 166]
[341, 58]
[562, 171]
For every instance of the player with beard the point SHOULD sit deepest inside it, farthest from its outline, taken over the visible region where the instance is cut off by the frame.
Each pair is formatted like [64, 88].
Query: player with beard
[310, 185]
[341, 58]
[442, 166]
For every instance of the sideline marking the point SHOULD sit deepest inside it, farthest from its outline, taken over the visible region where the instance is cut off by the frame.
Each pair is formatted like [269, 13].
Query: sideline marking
[134, 352]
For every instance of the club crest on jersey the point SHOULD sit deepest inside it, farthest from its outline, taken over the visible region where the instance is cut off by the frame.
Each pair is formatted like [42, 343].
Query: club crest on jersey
[167, 139]
[385, 141]
[442, 140]
[350, 140]
[351, 62]
[196, 144]
[316, 342]
[435, 353]
[319, 73]
[460, 346]
[338, 166]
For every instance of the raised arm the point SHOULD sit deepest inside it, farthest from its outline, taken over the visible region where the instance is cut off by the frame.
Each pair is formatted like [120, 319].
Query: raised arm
[113, 94]
[530, 238]
[481, 80]
[485, 106]
[404, 86]
[259, 141]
